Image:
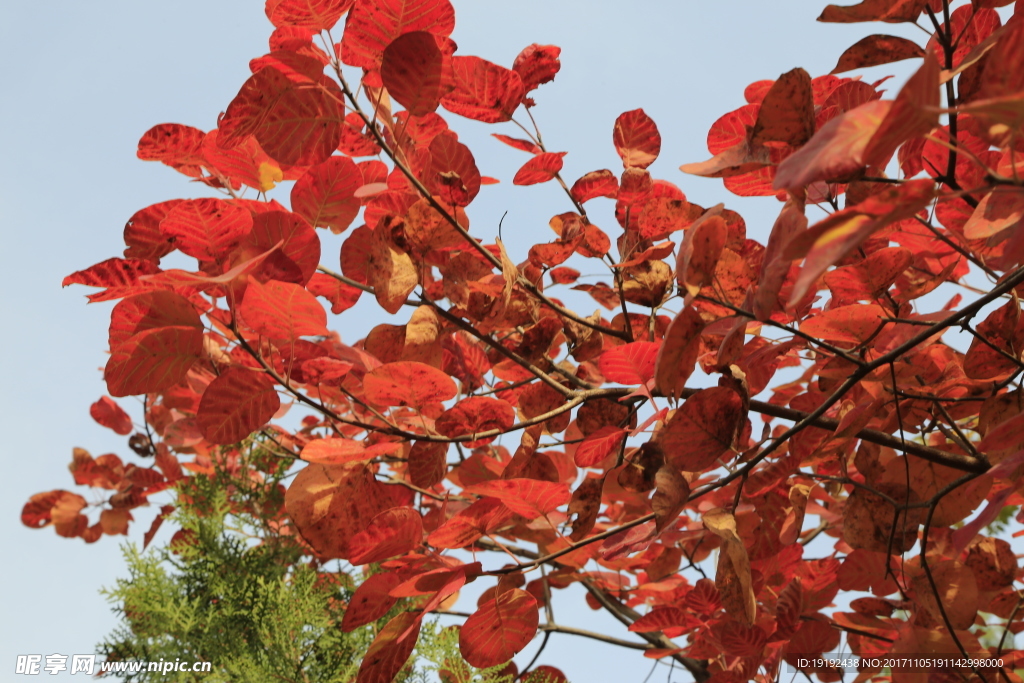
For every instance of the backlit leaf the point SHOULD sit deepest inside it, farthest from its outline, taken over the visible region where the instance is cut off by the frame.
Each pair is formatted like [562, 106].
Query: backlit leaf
[854, 323]
[392, 532]
[152, 360]
[106, 412]
[636, 139]
[236, 404]
[601, 183]
[891, 11]
[678, 353]
[325, 194]
[483, 90]
[178, 146]
[407, 383]
[631, 363]
[314, 15]
[540, 169]
[537, 64]
[206, 228]
[372, 25]
[527, 497]
[282, 310]
[330, 503]
[371, 601]
[475, 415]
[787, 111]
[596, 447]
[499, 629]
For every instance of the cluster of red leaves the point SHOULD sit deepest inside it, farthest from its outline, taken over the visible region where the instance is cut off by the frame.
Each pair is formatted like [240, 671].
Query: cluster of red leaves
[896, 437]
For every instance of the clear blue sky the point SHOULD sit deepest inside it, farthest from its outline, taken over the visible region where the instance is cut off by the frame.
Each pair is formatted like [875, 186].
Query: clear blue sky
[83, 80]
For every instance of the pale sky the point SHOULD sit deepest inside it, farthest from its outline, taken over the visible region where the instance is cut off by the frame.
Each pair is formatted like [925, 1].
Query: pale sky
[84, 80]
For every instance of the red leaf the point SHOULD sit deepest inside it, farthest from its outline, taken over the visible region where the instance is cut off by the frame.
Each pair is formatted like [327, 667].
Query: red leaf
[677, 356]
[244, 164]
[407, 383]
[601, 183]
[856, 323]
[427, 463]
[374, 24]
[524, 145]
[468, 526]
[702, 430]
[297, 256]
[539, 169]
[371, 601]
[452, 173]
[412, 72]
[891, 11]
[474, 415]
[142, 233]
[313, 15]
[297, 123]
[148, 311]
[631, 363]
[392, 532]
[527, 497]
[786, 114]
[236, 404]
[152, 360]
[178, 146]
[537, 64]
[282, 311]
[875, 50]
[341, 295]
[110, 415]
[499, 629]
[325, 194]
[388, 652]
[118, 276]
[664, 618]
[483, 90]
[206, 228]
[636, 139]
[599, 445]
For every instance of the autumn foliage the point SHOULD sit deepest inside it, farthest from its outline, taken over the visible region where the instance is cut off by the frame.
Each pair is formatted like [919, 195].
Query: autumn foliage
[861, 370]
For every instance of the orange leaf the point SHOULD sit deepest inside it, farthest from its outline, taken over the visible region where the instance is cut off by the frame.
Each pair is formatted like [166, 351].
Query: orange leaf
[407, 383]
[236, 404]
[330, 503]
[337, 451]
[499, 629]
[468, 526]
